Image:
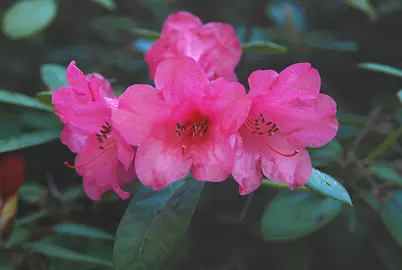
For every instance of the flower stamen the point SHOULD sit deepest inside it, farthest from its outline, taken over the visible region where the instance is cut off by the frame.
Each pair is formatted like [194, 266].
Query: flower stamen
[260, 126]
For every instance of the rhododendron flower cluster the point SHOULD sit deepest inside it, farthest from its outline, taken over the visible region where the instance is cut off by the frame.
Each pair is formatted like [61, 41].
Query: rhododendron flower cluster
[196, 119]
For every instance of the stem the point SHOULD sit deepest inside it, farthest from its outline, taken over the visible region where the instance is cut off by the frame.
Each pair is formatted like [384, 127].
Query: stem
[388, 142]
[272, 184]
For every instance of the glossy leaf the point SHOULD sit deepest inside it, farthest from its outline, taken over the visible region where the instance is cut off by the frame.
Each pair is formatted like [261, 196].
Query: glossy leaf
[154, 224]
[22, 100]
[386, 173]
[64, 253]
[82, 230]
[26, 18]
[32, 193]
[145, 33]
[390, 211]
[53, 76]
[382, 69]
[328, 186]
[108, 4]
[364, 6]
[27, 140]
[264, 47]
[294, 214]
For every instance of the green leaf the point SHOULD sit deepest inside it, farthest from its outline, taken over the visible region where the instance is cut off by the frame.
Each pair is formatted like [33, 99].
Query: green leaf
[45, 97]
[18, 236]
[108, 4]
[66, 254]
[364, 6]
[53, 76]
[264, 47]
[330, 152]
[294, 214]
[27, 140]
[328, 186]
[71, 193]
[382, 68]
[390, 212]
[321, 41]
[32, 192]
[386, 173]
[154, 224]
[22, 100]
[399, 95]
[30, 218]
[26, 18]
[82, 230]
[388, 251]
[145, 33]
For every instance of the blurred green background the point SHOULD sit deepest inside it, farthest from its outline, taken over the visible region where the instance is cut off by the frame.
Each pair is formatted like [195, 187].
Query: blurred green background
[355, 44]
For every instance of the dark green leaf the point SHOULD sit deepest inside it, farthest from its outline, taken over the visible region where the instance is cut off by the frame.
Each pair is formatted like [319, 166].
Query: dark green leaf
[22, 100]
[18, 236]
[315, 40]
[328, 186]
[53, 76]
[294, 214]
[28, 17]
[145, 33]
[391, 215]
[32, 192]
[346, 131]
[45, 97]
[27, 140]
[381, 68]
[351, 118]
[66, 254]
[364, 6]
[264, 47]
[388, 251]
[82, 230]
[386, 173]
[73, 192]
[108, 4]
[330, 152]
[30, 218]
[154, 224]
[399, 95]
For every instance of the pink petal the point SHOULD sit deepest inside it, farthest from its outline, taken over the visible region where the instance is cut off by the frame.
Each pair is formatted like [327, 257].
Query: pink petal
[246, 170]
[78, 110]
[158, 164]
[75, 77]
[180, 79]
[213, 161]
[231, 99]
[101, 171]
[180, 21]
[138, 109]
[232, 77]
[222, 49]
[100, 85]
[125, 152]
[261, 82]
[294, 171]
[73, 137]
[313, 122]
[298, 80]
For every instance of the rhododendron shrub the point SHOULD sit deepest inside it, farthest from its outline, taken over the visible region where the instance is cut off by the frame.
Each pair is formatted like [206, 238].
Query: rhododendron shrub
[104, 159]
[183, 125]
[214, 45]
[197, 118]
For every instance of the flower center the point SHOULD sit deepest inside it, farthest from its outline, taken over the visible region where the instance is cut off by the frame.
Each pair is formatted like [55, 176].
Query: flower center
[261, 126]
[190, 132]
[105, 131]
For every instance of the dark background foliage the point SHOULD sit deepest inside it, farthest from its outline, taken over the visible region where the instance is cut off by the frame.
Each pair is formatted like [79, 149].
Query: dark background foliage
[227, 231]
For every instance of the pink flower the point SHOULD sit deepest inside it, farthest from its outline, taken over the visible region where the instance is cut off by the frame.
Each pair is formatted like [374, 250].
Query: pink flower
[85, 106]
[184, 125]
[287, 115]
[214, 45]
